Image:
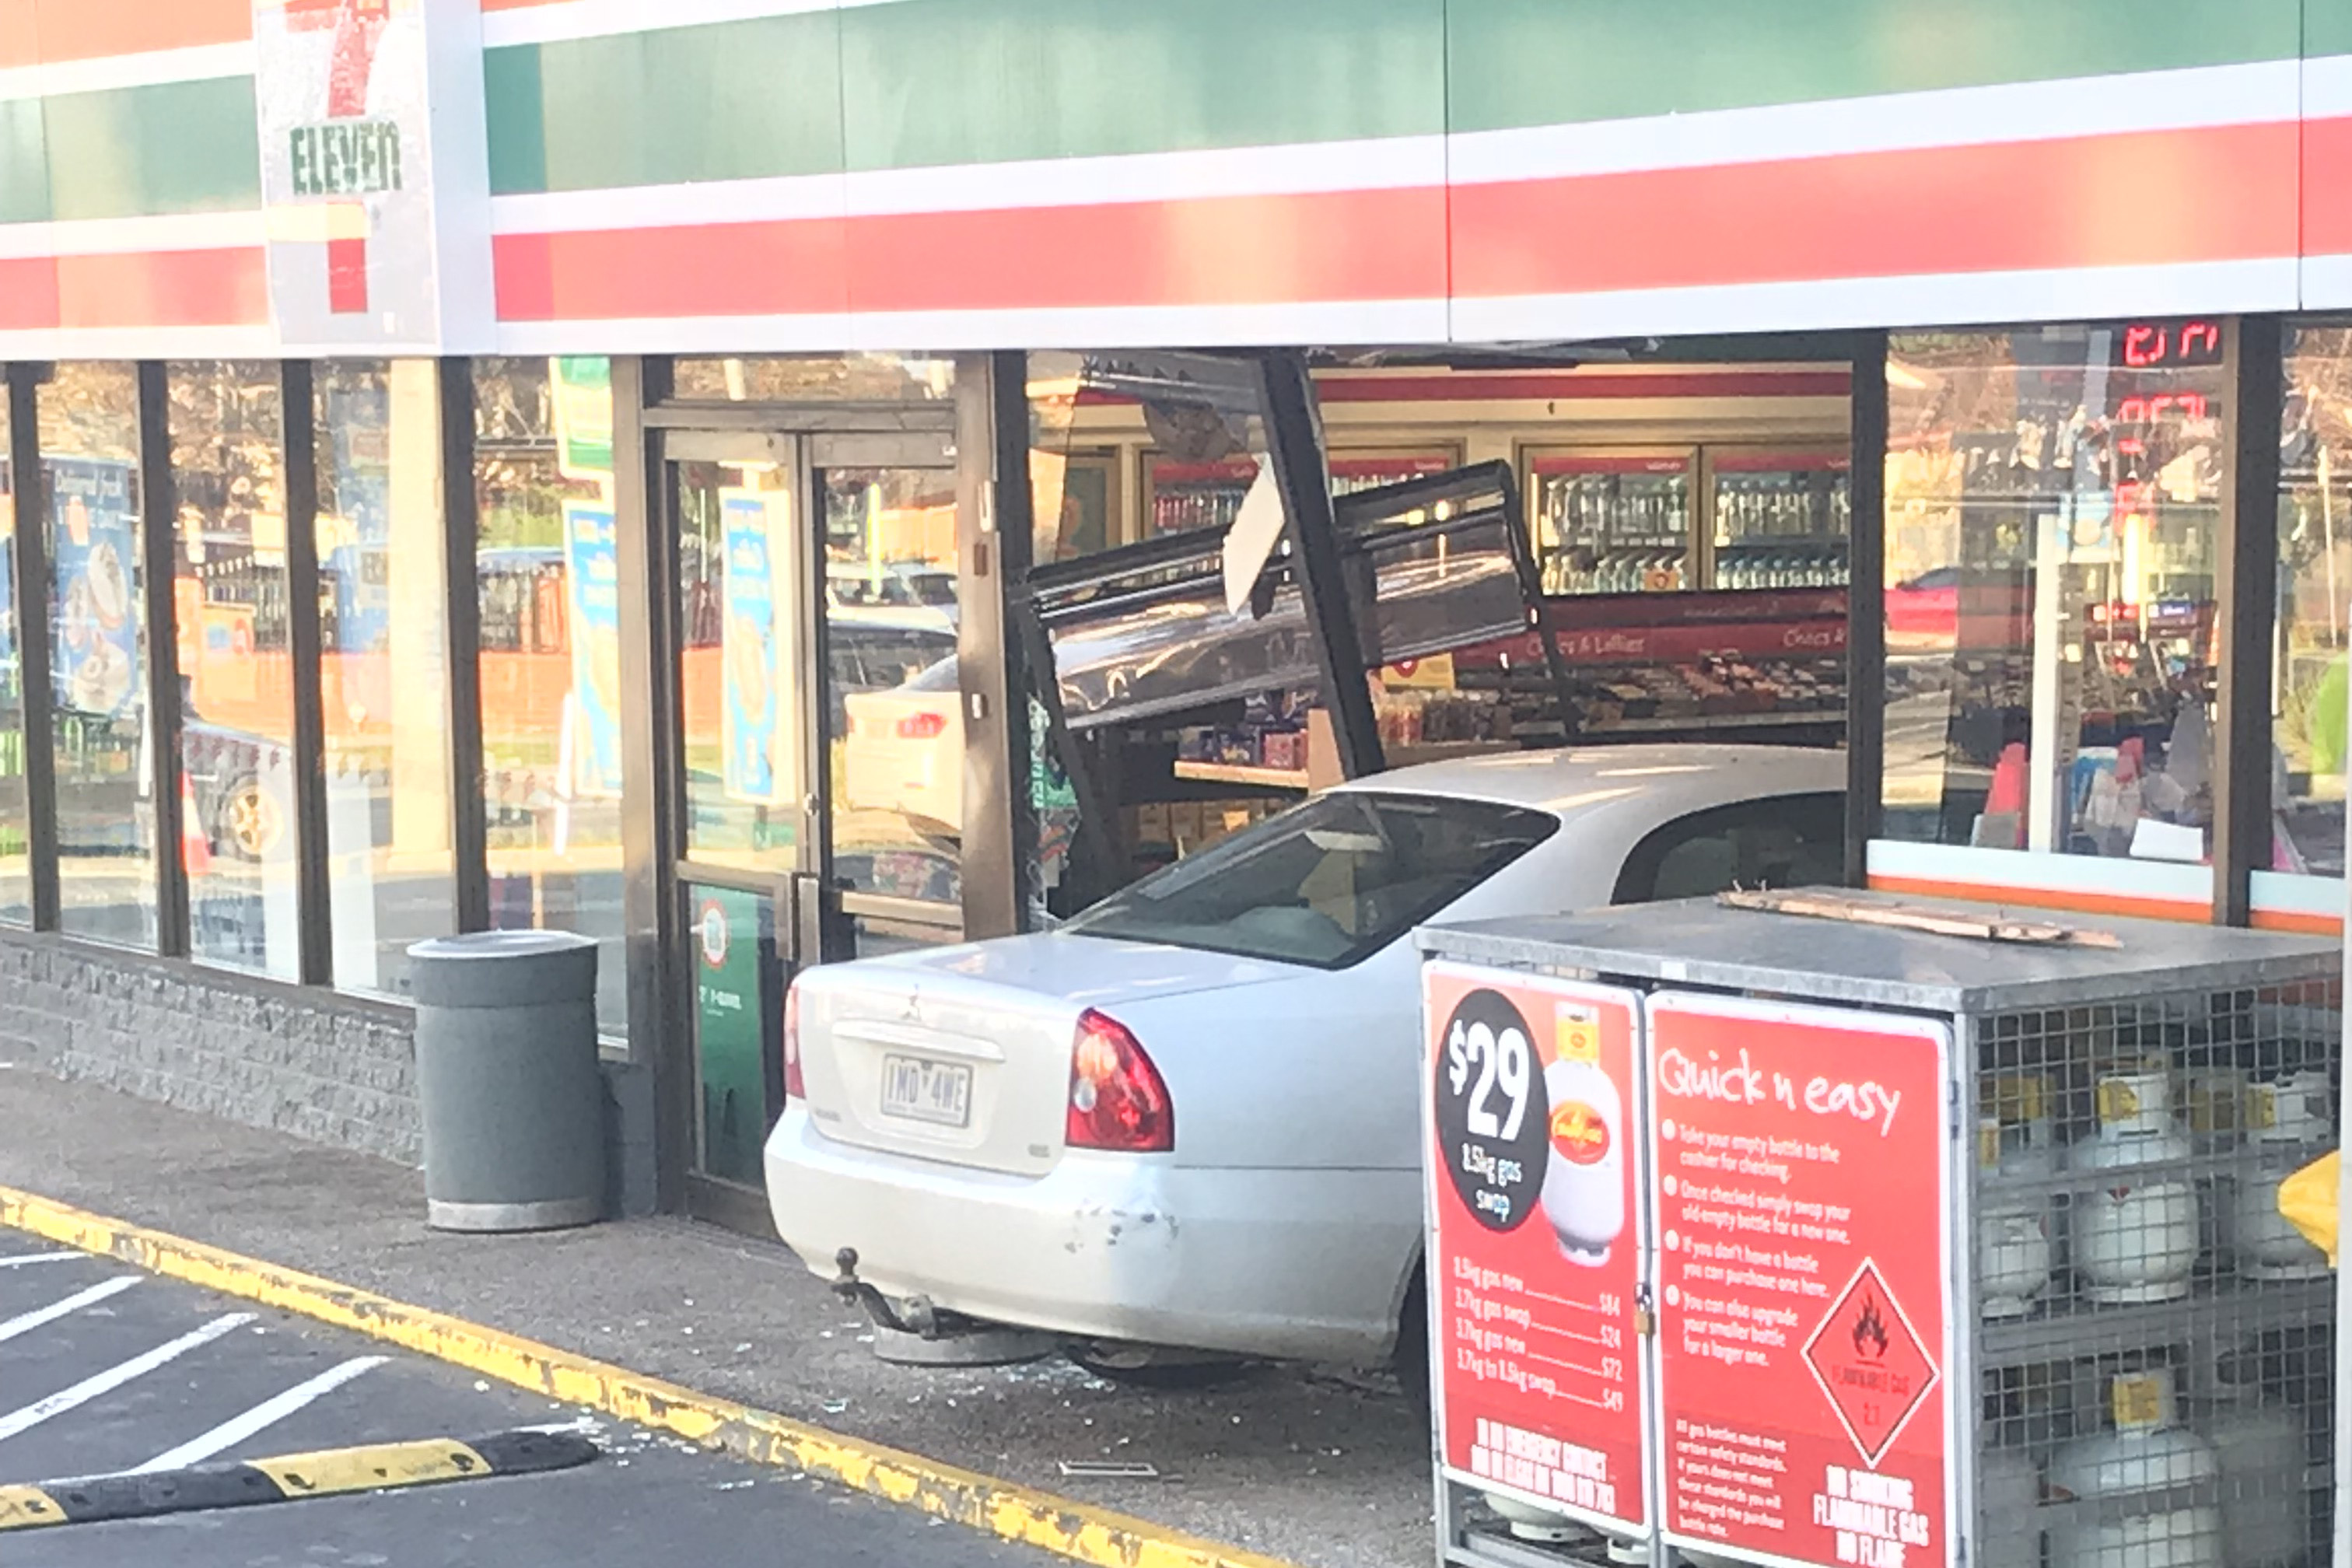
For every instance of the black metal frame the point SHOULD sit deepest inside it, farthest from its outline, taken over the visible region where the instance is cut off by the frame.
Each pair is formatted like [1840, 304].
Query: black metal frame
[1294, 441]
[2247, 594]
[158, 511]
[31, 595]
[313, 885]
[995, 529]
[469, 826]
[1866, 608]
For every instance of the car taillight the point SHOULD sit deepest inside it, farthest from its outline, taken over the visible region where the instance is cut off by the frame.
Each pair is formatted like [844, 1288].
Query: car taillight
[795, 1088]
[1117, 1099]
[923, 727]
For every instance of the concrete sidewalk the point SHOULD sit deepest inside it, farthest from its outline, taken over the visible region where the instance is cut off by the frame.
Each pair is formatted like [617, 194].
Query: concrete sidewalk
[1328, 1470]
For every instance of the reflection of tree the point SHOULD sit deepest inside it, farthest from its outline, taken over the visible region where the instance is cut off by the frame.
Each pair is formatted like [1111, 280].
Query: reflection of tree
[227, 436]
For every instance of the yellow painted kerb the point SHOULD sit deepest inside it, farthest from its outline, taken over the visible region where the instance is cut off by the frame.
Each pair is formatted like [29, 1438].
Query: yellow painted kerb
[1009, 1512]
[29, 1508]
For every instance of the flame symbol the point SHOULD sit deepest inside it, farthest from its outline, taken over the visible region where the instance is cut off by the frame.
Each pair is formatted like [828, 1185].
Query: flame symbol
[1870, 1331]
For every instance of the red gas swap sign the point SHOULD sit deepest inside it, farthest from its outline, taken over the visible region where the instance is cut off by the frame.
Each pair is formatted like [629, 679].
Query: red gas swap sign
[1800, 1159]
[1537, 1166]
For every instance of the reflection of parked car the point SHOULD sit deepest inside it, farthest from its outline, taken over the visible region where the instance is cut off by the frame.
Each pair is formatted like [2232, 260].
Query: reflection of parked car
[852, 589]
[234, 787]
[1189, 1118]
[904, 750]
[874, 655]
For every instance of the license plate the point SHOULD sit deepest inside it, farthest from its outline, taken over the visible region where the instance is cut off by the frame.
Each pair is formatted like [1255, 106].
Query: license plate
[915, 1089]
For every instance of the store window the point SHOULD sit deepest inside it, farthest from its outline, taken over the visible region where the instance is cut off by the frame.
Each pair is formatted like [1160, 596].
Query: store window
[814, 378]
[89, 418]
[548, 584]
[229, 599]
[15, 813]
[2053, 531]
[385, 683]
[2314, 596]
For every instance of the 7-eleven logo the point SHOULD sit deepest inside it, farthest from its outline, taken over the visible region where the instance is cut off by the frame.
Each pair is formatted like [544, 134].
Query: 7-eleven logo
[358, 26]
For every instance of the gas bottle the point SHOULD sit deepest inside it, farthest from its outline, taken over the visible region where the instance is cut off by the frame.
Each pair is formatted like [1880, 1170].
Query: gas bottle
[2288, 1127]
[1584, 1178]
[2145, 1453]
[2134, 1240]
[2015, 1252]
[2264, 1511]
[2009, 1500]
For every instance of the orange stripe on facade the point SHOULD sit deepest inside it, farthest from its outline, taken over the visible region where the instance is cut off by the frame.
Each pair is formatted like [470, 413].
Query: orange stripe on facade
[2186, 910]
[2301, 923]
[2228, 193]
[142, 289]
[48, 32]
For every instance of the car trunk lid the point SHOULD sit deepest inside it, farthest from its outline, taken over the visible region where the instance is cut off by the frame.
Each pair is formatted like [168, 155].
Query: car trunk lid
[963, 1055]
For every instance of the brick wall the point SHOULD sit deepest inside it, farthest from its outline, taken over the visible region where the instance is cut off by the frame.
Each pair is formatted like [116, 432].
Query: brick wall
[329, 1069]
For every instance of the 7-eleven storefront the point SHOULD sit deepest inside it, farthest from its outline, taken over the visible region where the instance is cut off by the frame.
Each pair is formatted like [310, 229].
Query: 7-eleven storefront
[582, 463]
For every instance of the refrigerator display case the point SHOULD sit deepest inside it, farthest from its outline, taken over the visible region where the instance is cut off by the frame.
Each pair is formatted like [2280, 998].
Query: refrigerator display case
[1180, 497]
[1613, 522]
[1780, 519]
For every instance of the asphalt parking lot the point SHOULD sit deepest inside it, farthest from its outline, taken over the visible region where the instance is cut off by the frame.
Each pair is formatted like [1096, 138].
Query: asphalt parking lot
[105, 1370]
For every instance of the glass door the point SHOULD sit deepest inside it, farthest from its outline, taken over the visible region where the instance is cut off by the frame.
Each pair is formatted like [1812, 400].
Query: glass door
[816, 742]
[742, 627]
[893, 709]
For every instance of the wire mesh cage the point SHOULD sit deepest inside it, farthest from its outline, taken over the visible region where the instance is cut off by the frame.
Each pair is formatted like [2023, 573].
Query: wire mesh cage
[2152, 1340]
[2139, 1349]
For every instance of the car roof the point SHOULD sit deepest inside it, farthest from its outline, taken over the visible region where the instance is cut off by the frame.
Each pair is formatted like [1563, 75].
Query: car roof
[1567, 781]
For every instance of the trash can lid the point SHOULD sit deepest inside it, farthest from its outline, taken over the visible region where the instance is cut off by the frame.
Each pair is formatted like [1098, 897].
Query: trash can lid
[498, 944]
[502, 969]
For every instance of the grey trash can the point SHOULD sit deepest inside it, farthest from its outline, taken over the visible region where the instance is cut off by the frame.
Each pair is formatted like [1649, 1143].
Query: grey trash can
[506, 1076]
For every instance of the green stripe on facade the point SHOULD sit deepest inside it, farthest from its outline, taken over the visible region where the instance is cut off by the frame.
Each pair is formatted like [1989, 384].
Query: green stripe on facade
[141, 151]
[1517, 63]
[930, 83]
[24, 162]
[734, 100]
[2327, 27]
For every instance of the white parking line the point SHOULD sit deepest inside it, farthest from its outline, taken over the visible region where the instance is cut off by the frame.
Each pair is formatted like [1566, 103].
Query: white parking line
[114, 1378]
[25, 1259]
[24, 1323]
[266, 1414]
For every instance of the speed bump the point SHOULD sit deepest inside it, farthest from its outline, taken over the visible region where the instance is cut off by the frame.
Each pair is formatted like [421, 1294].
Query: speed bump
[290, 1478]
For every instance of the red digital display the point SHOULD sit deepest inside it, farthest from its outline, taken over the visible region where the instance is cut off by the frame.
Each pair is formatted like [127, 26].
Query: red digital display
[2170, 346]
[2149, 410]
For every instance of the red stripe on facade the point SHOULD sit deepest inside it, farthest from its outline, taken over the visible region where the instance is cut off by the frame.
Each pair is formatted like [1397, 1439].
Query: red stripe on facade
[792, 268]
[137, 289]
[2147, 198]
[2327, 187]
[1351, 246]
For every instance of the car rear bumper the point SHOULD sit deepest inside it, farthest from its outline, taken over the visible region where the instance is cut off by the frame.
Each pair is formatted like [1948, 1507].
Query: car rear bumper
[1303, 1265]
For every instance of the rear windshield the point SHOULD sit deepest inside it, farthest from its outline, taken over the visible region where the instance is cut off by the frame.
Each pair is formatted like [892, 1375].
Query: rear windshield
[1327, 883]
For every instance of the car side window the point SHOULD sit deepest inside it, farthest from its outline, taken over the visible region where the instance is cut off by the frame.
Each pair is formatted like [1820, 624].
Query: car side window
[1792, 841]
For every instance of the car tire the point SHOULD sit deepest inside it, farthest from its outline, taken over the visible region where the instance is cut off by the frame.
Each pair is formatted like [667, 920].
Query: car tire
[1133, 1368]
[248, 823]
[1412, 1357]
